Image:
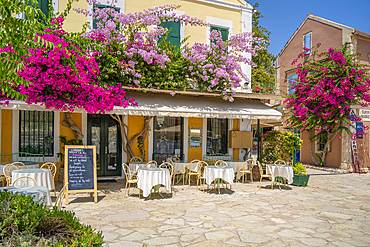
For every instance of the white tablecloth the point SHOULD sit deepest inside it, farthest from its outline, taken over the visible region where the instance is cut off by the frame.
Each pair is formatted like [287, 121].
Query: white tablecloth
[149, 177]
[237, 165]
[43, 177]
[213, 172]
[280, 171]
[135, 166]
[38, 192]
[30, 166]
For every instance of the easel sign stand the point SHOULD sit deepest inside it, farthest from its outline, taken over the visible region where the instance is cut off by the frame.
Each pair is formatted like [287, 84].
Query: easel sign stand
[80, 170]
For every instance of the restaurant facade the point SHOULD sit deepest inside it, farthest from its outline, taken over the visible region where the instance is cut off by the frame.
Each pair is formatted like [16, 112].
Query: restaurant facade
[187, 125]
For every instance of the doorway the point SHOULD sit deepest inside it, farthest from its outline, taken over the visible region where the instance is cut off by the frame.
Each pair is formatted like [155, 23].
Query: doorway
[104, 133]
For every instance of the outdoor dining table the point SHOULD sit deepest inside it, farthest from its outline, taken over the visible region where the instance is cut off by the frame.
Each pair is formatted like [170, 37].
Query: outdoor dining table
[235, 165]
[149, 177]
[39, 193]
[284, 171]
[28, 165]
[219, 174]
[135, 166]
[43, 177]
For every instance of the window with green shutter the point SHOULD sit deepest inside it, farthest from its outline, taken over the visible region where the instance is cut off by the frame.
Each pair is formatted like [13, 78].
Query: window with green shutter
[95, 22]
[44, 7]
[224, 32]
[173, 36]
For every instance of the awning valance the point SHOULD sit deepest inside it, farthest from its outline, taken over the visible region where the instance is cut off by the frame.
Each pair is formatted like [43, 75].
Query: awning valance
[159, 104]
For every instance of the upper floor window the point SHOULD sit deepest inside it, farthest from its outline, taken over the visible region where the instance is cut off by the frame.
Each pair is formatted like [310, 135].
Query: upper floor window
[173, 36]
[36, 132]
[291, 81]
[217, 136]
[307, 41]
[224, 32]
[96, 21]
[44, 7]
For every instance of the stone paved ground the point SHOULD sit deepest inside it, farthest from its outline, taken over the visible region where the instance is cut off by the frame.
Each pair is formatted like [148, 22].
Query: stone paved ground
[334, 210]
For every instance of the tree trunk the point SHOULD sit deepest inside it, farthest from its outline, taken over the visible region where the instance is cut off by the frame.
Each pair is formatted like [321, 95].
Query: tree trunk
[68, 122]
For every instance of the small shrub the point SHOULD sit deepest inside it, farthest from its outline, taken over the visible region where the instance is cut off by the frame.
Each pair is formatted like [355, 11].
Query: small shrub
[299, 169]
[24, 221]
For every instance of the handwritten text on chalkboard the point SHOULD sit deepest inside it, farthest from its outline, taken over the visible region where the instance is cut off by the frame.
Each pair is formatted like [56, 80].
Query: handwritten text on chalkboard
[80, 169]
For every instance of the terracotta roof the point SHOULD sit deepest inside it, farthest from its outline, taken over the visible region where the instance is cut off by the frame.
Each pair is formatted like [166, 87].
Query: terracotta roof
[357, 32]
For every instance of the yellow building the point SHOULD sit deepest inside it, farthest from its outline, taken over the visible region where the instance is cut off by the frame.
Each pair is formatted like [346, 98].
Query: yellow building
[188, 125]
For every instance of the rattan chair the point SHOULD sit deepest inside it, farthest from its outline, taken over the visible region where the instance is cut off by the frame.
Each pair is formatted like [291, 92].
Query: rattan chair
[247, 168]
[264, 175]
[7, 170]
[2, 180]
[170, 167]
[174, 159]
[280, 162]
[193, 169]
[18, 164]
[180, 172]
[202, 165]
[151, 163]
[130, 178]
[53, 169]
[221, 163]
[24, 180]
[136, 160]
[59, 201]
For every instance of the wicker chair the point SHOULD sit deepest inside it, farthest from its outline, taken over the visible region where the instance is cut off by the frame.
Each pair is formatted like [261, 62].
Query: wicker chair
[151, 163]
[264, 175]
[280, 162]
[59, 201]
[136, 160]
[2, 180]
[170, 167]
[180, 172]
[7, 170]
[193, 169]
[24, 180]
[247, 168]
[20, 165]
[130, 178]
[202, 165]
[53, 169]
[221, 163]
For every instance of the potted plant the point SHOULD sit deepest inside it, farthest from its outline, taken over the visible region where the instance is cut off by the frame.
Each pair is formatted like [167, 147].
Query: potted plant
[300, 175]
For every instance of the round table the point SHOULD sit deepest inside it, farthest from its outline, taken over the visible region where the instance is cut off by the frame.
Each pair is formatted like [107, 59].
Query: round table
[135, 166]
[149, 177]
[284, 171]
[43, 177]
[218, 173]
[39, 193]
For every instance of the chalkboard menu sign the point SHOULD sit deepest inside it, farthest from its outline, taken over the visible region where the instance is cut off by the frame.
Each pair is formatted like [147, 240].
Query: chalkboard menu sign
[80, 169]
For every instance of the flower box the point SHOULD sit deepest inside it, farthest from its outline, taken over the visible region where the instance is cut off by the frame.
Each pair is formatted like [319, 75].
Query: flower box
[300, 180]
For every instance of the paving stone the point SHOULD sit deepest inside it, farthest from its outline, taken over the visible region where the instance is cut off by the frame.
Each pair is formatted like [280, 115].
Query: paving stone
[314, 241]
[219, 235]
[161, 241]
[125, 244]
[136, 236]
[249, 237]
[292, 234]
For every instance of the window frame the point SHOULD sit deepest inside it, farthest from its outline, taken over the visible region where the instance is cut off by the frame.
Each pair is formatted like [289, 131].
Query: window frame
[119, 4]
[318, 145]
[55, 4]
[226, 151]
[304, 41]
[215, 22]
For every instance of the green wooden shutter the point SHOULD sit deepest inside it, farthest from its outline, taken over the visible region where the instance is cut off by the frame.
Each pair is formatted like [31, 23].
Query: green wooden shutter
[44, 6]
[174, 32]
[95, 22]
[224, 32]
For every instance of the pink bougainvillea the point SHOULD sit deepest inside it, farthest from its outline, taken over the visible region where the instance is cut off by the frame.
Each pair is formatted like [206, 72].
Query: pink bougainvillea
[328, 85]
[64, 77]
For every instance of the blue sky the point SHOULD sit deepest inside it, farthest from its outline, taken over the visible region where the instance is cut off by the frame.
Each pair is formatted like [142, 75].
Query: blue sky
[283, 17]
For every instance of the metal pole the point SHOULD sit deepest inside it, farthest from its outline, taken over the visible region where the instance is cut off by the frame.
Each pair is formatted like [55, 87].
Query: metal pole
[295, 147]
[258, 139]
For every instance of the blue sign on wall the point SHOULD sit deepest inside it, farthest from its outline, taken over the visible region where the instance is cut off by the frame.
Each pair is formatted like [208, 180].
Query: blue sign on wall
[360, 130]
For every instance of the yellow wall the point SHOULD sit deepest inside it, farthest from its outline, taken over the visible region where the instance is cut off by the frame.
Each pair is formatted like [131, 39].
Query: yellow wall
[195, 152]
[136, 125]
[235, 150]
[6, 131]
[74, 21]
[64, 131]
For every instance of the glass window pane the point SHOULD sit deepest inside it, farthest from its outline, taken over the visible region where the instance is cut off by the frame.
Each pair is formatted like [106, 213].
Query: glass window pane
[217, 136]
[36, 132]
